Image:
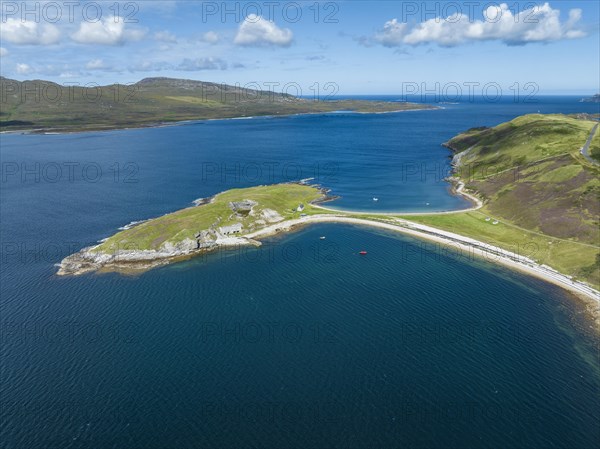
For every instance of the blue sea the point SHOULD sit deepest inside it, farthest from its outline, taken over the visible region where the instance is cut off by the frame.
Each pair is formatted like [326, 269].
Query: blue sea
[300, 343]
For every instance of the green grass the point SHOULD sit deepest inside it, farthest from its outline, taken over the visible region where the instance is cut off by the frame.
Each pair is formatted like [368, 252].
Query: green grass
[194, 100]
[187, 223]
[595, 146]
[561, 174]
[152, 101]
[521, 141]
[574, 259]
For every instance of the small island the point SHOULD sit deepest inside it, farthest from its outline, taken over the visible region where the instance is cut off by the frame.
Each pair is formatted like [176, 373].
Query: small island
[232, 218]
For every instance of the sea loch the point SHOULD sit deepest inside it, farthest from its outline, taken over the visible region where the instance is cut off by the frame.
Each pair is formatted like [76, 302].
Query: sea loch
[287, 345]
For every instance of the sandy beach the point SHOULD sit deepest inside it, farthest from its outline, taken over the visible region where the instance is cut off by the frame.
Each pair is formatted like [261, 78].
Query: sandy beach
[459, 190]
[452, 241]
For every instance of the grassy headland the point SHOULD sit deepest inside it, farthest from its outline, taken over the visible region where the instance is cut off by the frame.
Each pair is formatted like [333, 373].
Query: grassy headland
[231, 218]
[43, 105]
[543, 194]
[274, 203]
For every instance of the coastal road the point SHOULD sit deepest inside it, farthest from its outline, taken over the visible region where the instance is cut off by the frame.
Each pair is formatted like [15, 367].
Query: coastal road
[586, 147]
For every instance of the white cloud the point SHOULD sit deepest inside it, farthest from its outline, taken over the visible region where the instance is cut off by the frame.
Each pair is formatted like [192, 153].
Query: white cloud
[149, 66]
[257, 31]
[165, 36]
[52, 69]
[210, 37]
[97, 64]
[202, 64]
[108, 31]
[24, 69]
[3, 52]
[187, 65]
[537, 24]
[392, 34]
[24, 32]
[69, 75]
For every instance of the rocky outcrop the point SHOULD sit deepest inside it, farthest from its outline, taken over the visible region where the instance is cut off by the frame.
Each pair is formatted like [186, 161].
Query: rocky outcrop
[91, 259]
[205, 239]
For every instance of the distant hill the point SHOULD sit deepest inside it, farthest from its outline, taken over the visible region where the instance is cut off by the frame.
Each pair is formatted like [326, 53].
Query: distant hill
[40, 104]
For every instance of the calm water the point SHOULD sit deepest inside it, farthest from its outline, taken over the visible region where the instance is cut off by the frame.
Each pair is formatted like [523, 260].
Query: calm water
[300, 343]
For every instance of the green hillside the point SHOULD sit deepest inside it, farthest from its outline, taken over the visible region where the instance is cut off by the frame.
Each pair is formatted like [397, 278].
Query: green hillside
[543, 193]
[530, 138]
[45, 105]
[595, 147]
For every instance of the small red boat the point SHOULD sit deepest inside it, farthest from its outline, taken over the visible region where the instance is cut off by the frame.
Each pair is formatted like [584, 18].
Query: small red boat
[362, 253]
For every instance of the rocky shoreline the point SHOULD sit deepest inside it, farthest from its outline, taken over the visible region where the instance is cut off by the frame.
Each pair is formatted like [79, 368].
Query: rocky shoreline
[132, 259]
[87, 260]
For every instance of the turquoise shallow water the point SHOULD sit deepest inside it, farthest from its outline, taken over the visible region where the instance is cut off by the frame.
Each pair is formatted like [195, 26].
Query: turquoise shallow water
[300, 343]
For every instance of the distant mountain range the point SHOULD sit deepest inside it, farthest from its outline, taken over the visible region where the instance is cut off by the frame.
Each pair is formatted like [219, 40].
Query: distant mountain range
[44, 105]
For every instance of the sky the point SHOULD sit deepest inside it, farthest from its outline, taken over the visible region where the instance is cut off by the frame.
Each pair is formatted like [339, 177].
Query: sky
[311, 48]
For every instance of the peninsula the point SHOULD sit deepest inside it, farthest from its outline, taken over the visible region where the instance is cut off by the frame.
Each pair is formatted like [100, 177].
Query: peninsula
[534, 195]
[44, 106]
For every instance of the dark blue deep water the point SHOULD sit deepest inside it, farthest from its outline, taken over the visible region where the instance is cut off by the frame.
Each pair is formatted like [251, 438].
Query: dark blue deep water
[300, 343]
